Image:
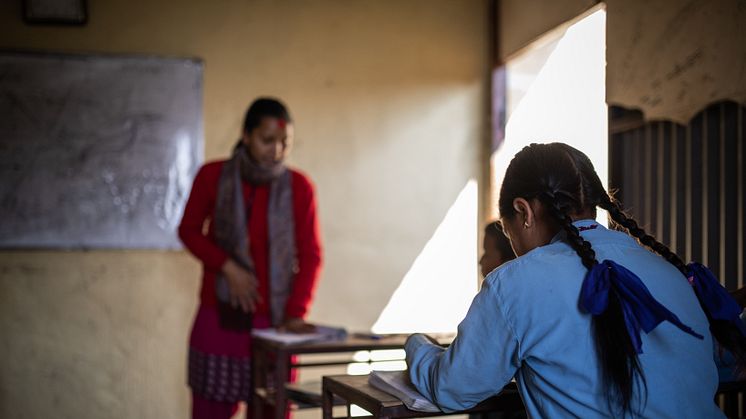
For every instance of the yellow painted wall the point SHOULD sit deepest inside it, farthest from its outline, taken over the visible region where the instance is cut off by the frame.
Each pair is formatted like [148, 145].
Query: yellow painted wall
[389, 98]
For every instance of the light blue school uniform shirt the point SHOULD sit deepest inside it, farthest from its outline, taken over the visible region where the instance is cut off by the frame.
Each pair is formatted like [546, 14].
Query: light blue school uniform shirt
[525, 323]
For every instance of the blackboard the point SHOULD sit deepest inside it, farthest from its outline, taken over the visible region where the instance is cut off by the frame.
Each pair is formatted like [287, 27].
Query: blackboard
[96, 151]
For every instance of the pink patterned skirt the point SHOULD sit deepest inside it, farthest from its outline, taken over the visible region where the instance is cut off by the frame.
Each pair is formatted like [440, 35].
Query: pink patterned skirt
[219, 359]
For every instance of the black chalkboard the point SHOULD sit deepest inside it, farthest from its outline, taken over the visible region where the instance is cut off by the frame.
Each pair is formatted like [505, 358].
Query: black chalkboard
[96, 151]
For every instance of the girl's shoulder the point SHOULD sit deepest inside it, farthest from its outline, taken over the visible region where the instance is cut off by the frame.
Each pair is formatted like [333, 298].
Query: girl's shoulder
[300, 180]
[211, 169]
[545, 280]
[299, 174]
[549, 261]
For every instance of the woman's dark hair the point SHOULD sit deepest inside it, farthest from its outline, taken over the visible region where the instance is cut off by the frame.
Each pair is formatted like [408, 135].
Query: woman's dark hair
[261, 107]
[563, 179]
[495, 230]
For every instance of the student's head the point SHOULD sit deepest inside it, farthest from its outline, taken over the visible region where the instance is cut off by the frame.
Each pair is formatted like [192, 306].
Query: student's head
[496, 248]
[267, 131]
[541, 193]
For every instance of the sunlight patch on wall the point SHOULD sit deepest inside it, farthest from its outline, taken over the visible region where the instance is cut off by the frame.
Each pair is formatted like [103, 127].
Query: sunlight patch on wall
[437, 291]
[560, 99]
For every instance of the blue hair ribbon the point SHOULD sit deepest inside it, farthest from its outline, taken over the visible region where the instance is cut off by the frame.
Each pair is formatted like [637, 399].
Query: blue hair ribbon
[717, 303]
[640, 309]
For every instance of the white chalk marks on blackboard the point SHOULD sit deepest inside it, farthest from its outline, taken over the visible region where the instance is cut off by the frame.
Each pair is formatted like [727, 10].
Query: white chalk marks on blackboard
[96, 151]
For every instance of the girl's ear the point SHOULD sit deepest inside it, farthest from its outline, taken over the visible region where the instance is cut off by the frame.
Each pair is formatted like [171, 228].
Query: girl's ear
[525, 212]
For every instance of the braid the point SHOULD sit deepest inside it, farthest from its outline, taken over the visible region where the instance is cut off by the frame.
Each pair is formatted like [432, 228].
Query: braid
[634, 229]
[727, 335]
[619, 362]
[574, 239]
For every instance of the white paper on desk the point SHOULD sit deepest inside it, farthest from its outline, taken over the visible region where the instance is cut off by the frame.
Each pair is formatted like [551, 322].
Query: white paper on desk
[397, 384]
[322, 333]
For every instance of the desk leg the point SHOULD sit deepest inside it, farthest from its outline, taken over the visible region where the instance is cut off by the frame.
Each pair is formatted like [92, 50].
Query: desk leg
[281, 375]
[327, 402]
[259, 380]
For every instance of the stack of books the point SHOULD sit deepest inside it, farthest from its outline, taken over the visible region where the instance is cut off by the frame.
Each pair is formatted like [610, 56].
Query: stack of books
[322, 334]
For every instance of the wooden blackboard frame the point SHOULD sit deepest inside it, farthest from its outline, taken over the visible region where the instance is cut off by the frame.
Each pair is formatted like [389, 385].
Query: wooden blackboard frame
[55, 12]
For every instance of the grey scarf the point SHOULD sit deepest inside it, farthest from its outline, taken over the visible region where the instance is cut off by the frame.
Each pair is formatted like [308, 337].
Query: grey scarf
[231, 219]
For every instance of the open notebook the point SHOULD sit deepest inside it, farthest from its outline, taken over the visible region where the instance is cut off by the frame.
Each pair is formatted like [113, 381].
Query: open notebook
[397, 384]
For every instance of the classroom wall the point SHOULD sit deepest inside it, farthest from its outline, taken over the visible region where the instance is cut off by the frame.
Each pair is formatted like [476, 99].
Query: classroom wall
[390, 109]
[668, 58]
[671, 58]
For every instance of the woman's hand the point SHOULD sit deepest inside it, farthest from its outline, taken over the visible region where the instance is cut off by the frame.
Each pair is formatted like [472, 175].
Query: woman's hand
[242, 286]
[296, 325]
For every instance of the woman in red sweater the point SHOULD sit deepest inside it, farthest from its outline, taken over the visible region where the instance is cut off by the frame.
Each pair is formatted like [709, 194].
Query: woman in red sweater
[252, 222]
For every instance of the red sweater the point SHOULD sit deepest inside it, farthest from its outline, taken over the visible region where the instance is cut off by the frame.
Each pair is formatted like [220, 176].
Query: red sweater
[200, 210]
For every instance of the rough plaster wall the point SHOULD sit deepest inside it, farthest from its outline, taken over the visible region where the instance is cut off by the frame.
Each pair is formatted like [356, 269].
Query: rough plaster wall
[671, 58]
[94, 335]
[388, 98]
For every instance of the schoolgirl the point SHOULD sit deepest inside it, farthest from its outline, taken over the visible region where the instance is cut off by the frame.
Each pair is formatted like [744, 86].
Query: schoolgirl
[589, 321]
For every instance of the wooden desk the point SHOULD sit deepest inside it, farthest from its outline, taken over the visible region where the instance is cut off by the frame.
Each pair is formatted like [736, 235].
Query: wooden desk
[727, 398]
[356, 390]
[272, 362]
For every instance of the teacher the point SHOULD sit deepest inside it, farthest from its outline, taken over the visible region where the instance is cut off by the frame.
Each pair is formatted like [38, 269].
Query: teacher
[252, 222]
